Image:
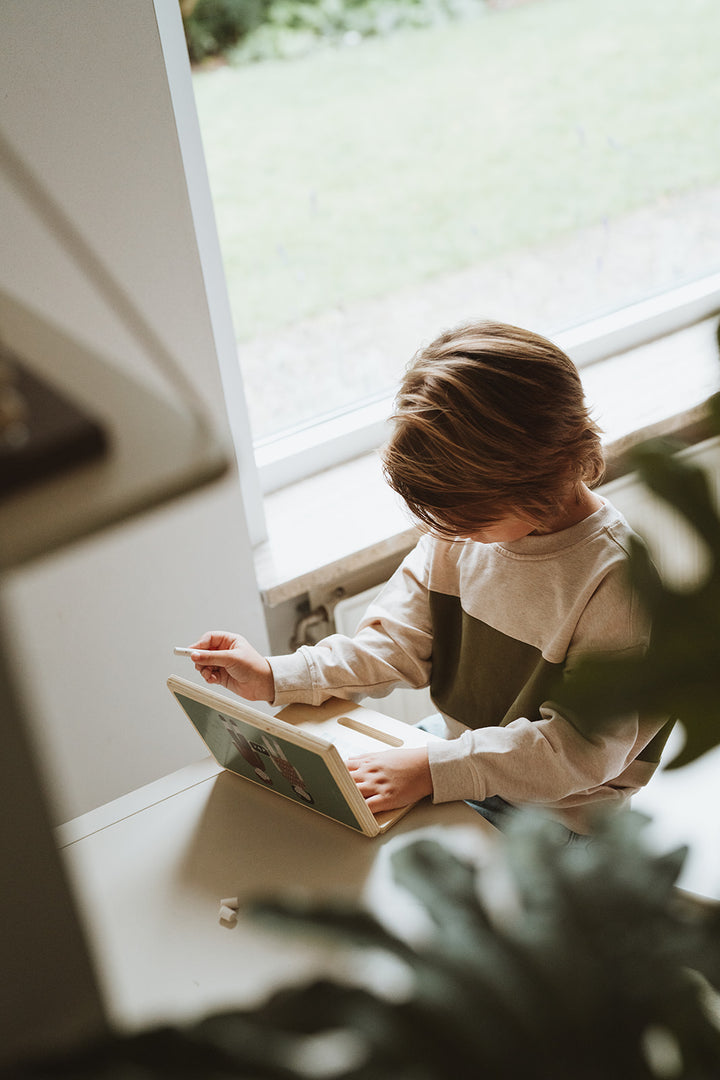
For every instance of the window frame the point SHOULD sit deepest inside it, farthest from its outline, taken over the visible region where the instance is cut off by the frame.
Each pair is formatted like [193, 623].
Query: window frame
[331, 440]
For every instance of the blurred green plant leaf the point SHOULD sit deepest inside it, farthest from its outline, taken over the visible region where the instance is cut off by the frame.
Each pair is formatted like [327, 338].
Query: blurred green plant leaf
[680, 674]
[592, 953]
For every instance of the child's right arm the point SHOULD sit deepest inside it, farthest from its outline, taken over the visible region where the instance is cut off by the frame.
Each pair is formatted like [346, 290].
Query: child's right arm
[392, 647]
[229, 660]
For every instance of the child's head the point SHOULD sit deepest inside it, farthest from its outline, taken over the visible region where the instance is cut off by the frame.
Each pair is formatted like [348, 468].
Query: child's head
[490, 421]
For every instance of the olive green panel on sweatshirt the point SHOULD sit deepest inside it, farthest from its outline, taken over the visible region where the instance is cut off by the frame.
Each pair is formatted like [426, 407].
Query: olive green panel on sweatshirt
[655, 747]
[480, 676]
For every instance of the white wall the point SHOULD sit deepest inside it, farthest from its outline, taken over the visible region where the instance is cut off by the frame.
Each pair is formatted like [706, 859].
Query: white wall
[87, 105]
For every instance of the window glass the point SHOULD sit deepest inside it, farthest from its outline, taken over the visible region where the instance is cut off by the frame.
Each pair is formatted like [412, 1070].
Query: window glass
[540, 162]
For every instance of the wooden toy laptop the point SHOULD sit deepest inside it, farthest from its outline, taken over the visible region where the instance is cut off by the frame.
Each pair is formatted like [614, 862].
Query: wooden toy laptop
[301, 752]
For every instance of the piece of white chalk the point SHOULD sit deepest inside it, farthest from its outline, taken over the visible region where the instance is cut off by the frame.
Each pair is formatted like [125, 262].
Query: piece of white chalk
[233, 902]
[227, 915]
[180, 650]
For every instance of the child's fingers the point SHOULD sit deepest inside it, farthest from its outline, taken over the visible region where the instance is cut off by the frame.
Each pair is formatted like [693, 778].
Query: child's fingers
[355, 763]
[215, 640]
[379, 802]
[212, 658]
[206, 641]
[370, 784]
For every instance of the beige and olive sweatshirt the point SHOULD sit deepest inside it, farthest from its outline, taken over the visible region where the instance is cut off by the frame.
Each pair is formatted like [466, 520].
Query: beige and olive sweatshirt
[489, 627]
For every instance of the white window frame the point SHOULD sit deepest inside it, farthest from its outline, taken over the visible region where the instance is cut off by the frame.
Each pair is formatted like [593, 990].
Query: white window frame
[274, 463]
[332, 440]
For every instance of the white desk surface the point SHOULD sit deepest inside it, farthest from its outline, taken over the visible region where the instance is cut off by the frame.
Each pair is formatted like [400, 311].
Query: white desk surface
[150, 869]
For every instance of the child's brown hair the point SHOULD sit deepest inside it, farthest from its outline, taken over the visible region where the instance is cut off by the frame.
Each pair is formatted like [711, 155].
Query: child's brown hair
[490, 421]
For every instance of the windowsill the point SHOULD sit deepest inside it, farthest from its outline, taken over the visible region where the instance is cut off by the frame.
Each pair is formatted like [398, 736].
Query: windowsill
[344, 520]
[330, 526]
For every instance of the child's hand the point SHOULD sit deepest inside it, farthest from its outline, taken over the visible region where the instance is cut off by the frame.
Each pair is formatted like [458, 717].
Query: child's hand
[231, 661]
[392, 778]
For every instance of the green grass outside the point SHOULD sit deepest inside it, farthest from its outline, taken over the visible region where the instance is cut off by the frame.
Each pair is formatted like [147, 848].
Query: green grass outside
[354, 172]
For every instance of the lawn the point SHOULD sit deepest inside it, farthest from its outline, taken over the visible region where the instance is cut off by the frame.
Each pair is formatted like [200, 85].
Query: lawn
[354, 172]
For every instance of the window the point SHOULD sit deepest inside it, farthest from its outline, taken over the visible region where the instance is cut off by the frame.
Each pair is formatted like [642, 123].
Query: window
[546, 163]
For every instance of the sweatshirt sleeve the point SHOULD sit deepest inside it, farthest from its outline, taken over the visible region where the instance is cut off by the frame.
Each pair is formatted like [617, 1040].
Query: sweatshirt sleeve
[392, 647]
[548, 759]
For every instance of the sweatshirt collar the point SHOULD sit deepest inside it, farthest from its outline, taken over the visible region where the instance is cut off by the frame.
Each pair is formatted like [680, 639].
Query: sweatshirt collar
[548, 543]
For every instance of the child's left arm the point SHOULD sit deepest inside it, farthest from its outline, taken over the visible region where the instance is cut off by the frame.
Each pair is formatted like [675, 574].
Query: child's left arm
[392, 778]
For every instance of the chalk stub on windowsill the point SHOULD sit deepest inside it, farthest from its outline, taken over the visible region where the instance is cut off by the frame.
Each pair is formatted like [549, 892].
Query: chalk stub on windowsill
[232, 902]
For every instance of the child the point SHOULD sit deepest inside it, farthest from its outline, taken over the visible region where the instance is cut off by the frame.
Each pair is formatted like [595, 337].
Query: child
[520, 571]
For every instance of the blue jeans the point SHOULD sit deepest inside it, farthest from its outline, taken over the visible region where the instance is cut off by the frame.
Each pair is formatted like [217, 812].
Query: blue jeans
[498, 813]
[495, 810]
